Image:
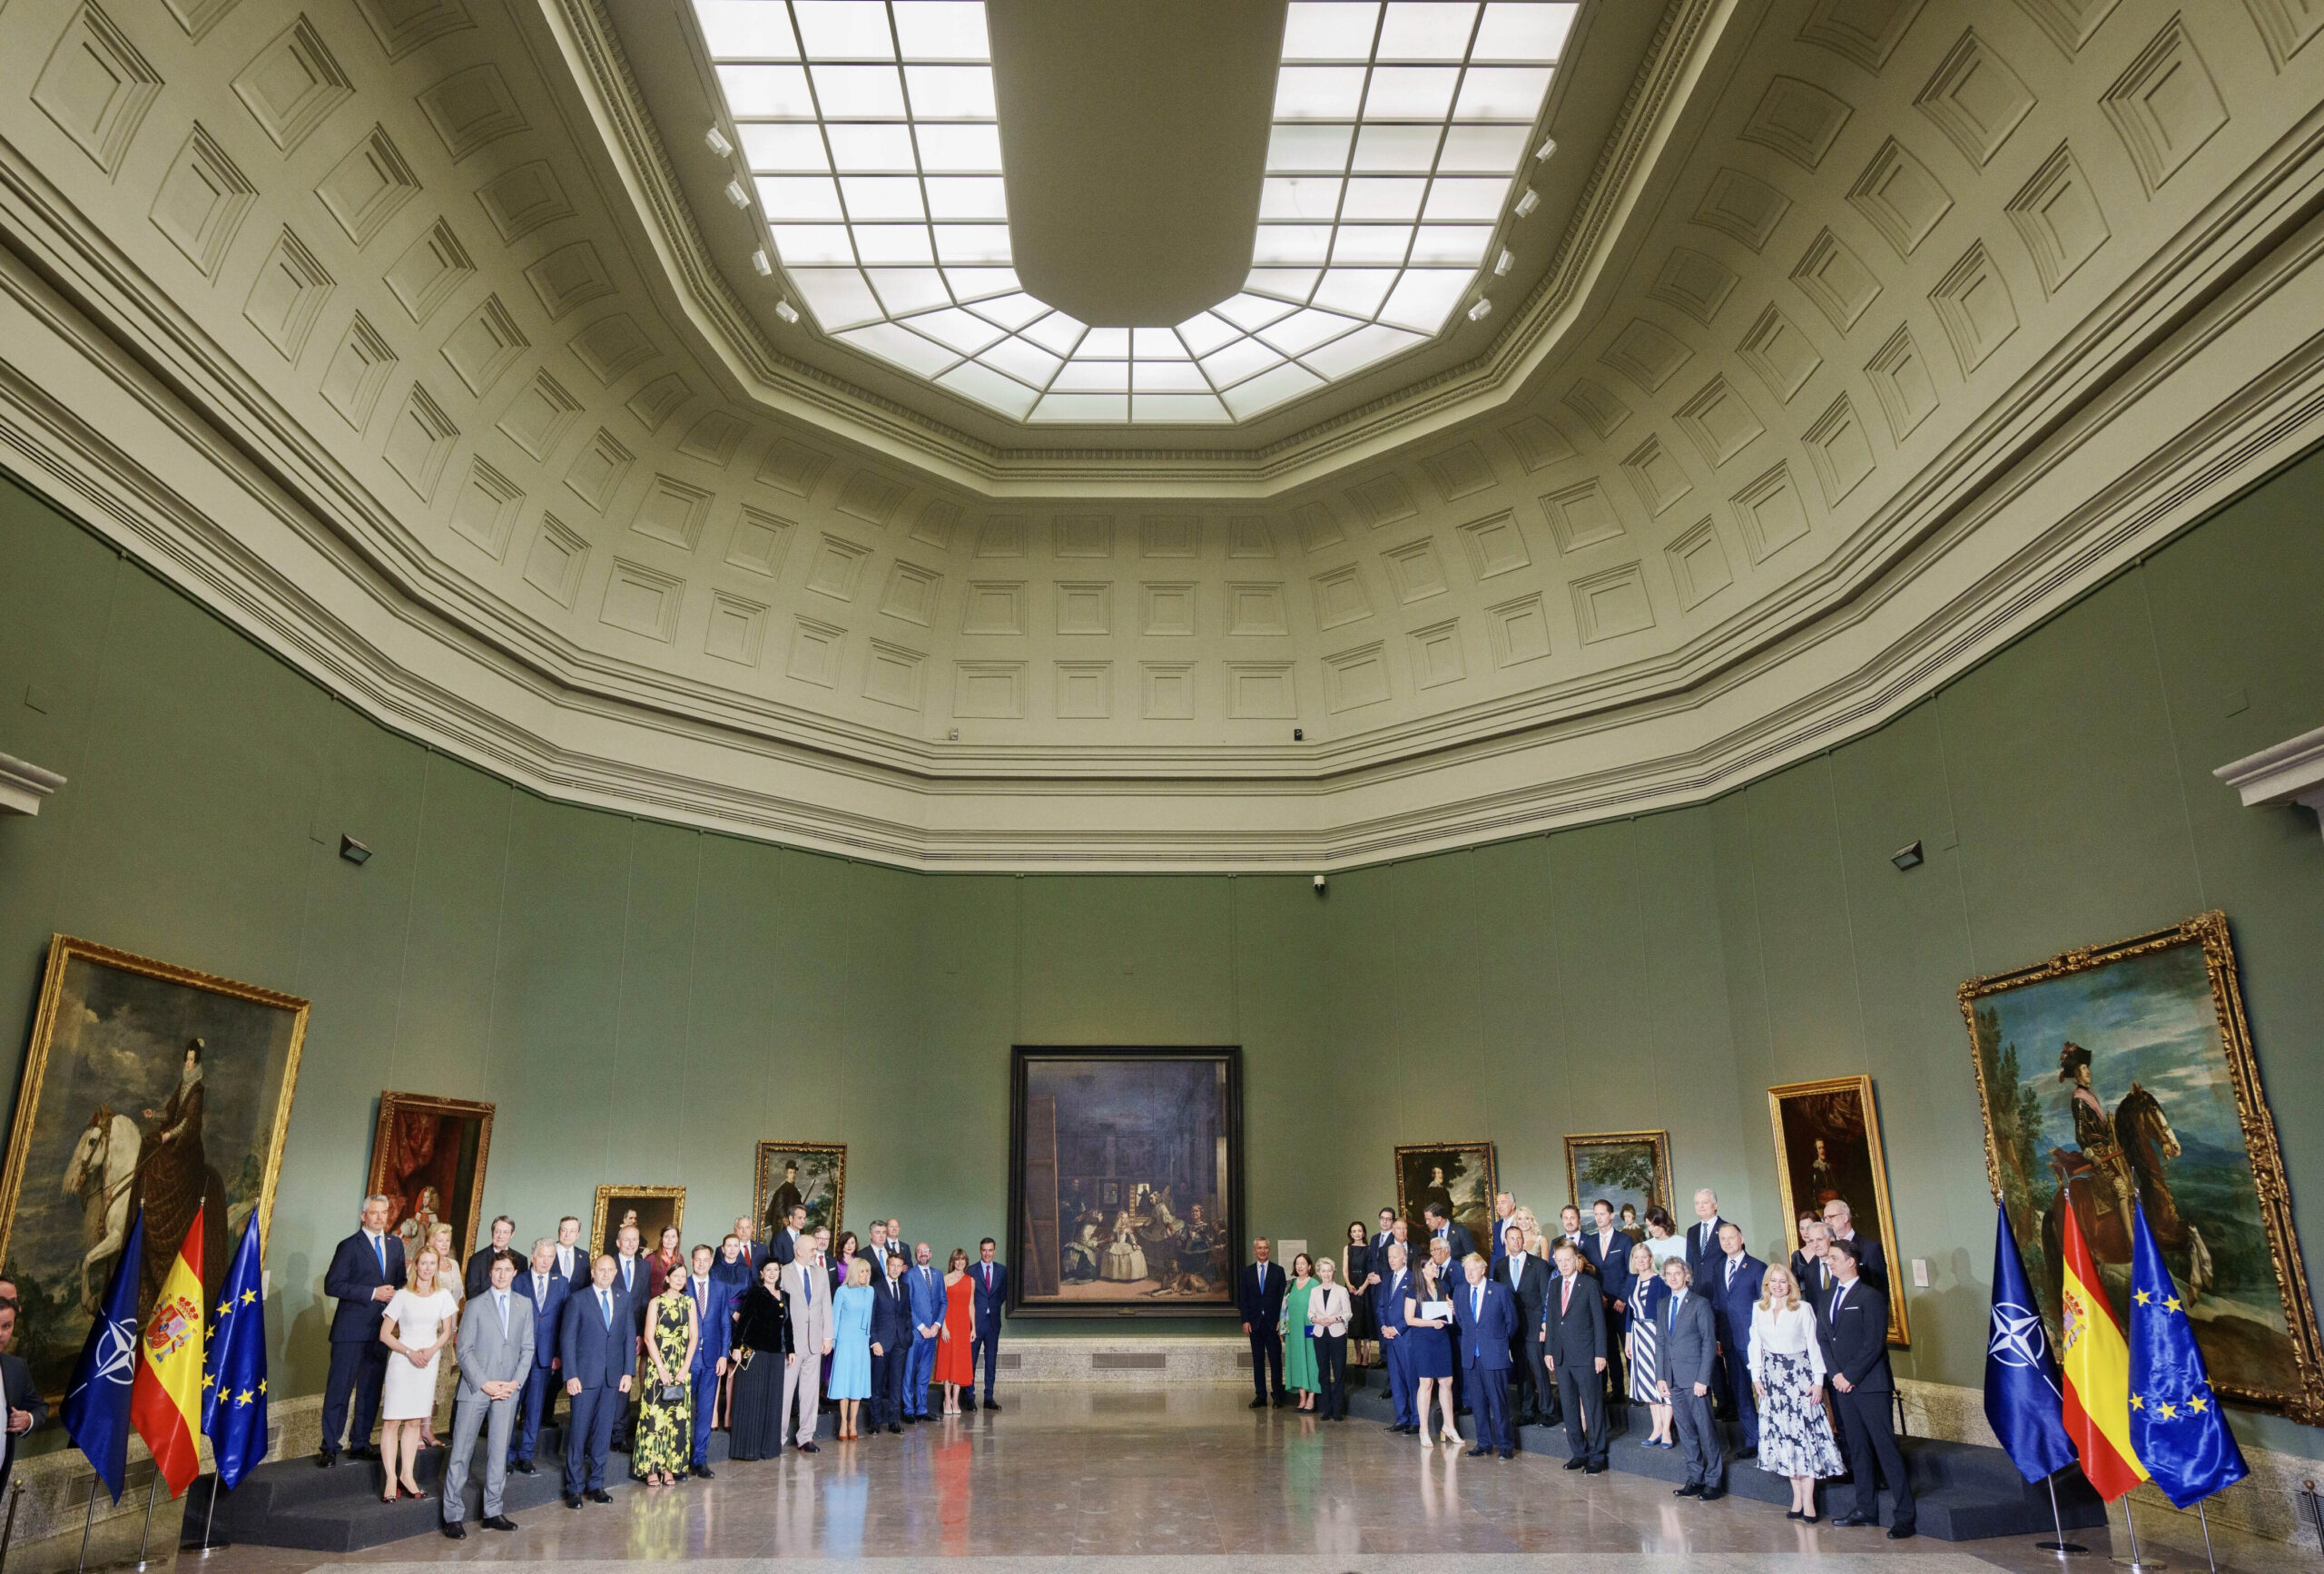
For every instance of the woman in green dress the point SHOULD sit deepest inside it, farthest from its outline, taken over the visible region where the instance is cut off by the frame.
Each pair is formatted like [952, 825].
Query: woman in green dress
[664, 1439]
[1298, 1340]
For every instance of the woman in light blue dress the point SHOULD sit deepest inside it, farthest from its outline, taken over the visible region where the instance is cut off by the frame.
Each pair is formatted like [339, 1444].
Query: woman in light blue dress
[852, 1345]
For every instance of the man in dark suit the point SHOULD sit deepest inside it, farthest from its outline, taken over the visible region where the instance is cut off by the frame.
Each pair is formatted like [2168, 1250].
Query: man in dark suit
[1505, 1215]
[1734, 1287]
[366, 1271]
[1386, 1233]
[714, 1310]
[1811, 1266]
[1528, 1278]
[892, 1334]
[544, 1290]
[1853, 1330]
[572, 1256]
[1484, 1322]
[1388, 1298]
[27, 1409]
[1574, 1319]
[1703, 1250]
[1457, 1240]
[478, 1277]
[1686, 1358]
[991, 1279]
[1871, 1262]
[784, 1247]
[633, 1282]
[924, 1295]
[1260, 1290]
[600, 1354]
[754, 1251]
[1605, 1248]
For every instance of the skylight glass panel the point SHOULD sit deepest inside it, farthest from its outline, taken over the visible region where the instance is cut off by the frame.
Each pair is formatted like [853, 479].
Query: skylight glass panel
[960, 244]
[1299, 197]
[950, 92]
[1318, 92]
[1303, 330]
[873, 149]
[1477, 201]
[1105, 341]
[1082, 407]
[1057, 331]
[1251, 312]
[871, 198]
[776, 149]
[1322, 149]
[1364, 347]
[845, 29]
[1492, 150]
[1524, 30]
[964, 150]
[1502, 93]
[1396, 147]
[807, 245]
[901, 347]
[1166, 377]
[1355, 244]
[891, 244]
[962, 330]
[1410, 92]
[1156, 344]
[1426, 30]
[1244, 358]
[1450, 243]
[1290, 283]
[1269, 389]
[904, 291]
[767, 92]
[1204, 333]
[859, 92]
[1358, 292]
[796, 197]
[838, 297]
[967, 197]
[976, 283]
[941, 30]
[1080, 376]
[1424, 298]
[1026, 362]
[1011, 311]
[1330, 29]
[988, 386]
[746, 29]
[1203, 407]
[1376, 198]
[1292, 243]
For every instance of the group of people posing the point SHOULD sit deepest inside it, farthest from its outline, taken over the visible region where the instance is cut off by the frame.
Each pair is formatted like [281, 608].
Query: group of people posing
[654, 1350]
[1690, 1326]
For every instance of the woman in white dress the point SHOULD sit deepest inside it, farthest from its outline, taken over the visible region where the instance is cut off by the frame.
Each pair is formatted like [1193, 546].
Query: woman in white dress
[1125, 1261]
[1787, 1376]
[447, 1371]
[417, 1327]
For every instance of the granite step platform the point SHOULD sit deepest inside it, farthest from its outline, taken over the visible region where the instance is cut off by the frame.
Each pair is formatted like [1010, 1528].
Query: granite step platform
[1961, 1493]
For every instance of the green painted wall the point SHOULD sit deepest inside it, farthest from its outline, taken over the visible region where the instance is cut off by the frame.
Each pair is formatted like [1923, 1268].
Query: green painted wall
[644, 1002]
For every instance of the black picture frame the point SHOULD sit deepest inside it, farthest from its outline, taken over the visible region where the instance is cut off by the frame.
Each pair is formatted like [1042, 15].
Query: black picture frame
[1030, 1293]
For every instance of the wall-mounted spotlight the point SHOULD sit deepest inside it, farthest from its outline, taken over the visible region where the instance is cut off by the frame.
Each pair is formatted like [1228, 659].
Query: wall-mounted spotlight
[352, 851]
[1320, 885]
[1907, 857]
[736, 195]
[1504, 263]
[785, 311]
[761, 264]
[1481, 309]
[1529, 201]
[1542, 154]
[715, 141]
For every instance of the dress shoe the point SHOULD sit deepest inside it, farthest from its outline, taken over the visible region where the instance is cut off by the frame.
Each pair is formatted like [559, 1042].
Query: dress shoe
[325, 1460]
[362, 1451]
[572, 1500]
[1508, 1453]
[702, 1473]
[1259, 1403]
[525, 1468]
[1711, 1494]
[808, 1448]
[1479, 1450]
[499, 1522]
[599, 1495]
[1795, 1514]
[1577, 1463]
[1747, 1453]
[891, 1427]
[1687, 1492]
[1902, 1533]
[1594, 1468]
[1851, 1521]
[992, 1404]
[452, 1532]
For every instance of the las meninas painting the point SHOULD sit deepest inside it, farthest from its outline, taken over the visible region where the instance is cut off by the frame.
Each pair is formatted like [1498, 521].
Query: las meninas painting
[2124, 1073]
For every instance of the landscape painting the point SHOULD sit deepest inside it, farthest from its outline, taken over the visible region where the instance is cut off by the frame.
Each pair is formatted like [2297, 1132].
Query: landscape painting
[1828, 1146]
[2126, 1072]
[1462, 1175]
[1628, 1168]
[427, 1159]
[1124, 1181]
[146, 1085]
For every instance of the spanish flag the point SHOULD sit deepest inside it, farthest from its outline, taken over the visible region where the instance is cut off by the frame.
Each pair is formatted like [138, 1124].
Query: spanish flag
[165, 1398]
[2097, 1363]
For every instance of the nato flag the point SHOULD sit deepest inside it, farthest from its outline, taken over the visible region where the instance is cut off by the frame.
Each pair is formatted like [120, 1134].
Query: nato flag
[234, 1388]
[96, 1401]
[2022, 1399]
[2175, 1421]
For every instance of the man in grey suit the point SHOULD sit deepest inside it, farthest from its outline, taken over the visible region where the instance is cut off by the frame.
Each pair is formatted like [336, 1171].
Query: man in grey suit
[495, 1349]
[807, 1287]
[1688, 1353]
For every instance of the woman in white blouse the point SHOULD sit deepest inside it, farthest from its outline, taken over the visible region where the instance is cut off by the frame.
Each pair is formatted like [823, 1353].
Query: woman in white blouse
[1787, 1376]
[1328, 1311]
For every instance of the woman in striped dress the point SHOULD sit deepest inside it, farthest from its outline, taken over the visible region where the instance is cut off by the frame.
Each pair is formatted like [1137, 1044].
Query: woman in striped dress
[1641, 1303]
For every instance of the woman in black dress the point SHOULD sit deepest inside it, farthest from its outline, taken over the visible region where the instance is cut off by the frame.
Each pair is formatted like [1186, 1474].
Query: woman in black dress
[1363, 1328]
[762, 1341]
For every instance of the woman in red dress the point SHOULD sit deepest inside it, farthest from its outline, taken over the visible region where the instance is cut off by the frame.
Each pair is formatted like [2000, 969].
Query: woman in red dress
[659, 1260]
[956, 1356]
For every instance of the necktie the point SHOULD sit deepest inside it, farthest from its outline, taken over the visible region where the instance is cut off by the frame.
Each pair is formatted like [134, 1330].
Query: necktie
[1732, 1265]
[1565, 1297]
[1836, 1301]
[379, 1244]
[502, 1302]
[605, 1307]
[1671, 1318]
[1477, 1304]
[540, 1288]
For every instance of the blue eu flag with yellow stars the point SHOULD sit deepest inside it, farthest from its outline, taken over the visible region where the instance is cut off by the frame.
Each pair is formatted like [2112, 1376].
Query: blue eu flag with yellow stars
[2175, 1421]
[234, 1395]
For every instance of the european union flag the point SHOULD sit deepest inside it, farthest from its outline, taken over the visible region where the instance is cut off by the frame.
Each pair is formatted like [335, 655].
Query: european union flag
[234, 1374]
[2175, 1421]
[96, 1401]
[2023, 1398]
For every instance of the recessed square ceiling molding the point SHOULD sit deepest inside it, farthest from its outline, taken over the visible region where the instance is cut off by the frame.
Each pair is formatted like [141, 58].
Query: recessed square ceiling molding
[658, 400]
[989, 691]
[1646, 354]
[910, 592]
[2071, 22]
[837, 565]
[365, 188]
[1901, 198]
[419, 442]
[993, 607]
[1167, 691]
[292, 85]
[1169, 608]
[614, 347]
[1597, 404]
[597, 471]
[737, 628]
[1082, 534]
[96, 87]
[1537, 444]
[815, 651]
[1353, 679]
[792, 467]
[760, 541]
[1609, 604]
[1840, 449]
[1414, 570]
[1695, 284]
[1836, 280]
[1975, 99]
[672, 513]
[569, 277]
[1974, 307]
[1581, 516]
[1340, 597]
[1865, 31]
[1436, 654]
[428, 271]
[201, 202]
[1256, 609]
[2165, 106]
[643, 601]
[1318, 531]
[1659, 479]
[1901, 380]
[198, 17]
[1495, 545]
[520, 201]
[1260, 691]
[1698, 565]
[1771, 514]
[1382, 500]
[472, 109]
[1519, 630]
[1798, 120]
[1781, 354]
[938, 519]
[1085, 606]
[1084, 690]
[715, 437]
[288, 296]
[871, 497]
[2056, 214]
[403, 25]
[1459, 472]
[1003, 536]
[1169, 535]
[484, 511]
[356, 371]
[892, 674]
[554, 564]
[539, 416]
[1249, 535]
[1720, 422]
[1742, 206]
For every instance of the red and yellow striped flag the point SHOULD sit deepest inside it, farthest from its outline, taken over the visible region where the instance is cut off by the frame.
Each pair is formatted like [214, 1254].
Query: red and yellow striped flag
[2097, 1360]
[165, 1397]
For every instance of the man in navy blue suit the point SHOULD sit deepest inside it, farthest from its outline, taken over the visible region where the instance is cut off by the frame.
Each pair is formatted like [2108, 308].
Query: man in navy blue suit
[366, 1271]
[1260, 1289]
[1484, 1318]
[1871, 1262]
[990, 1280]
[600, 1354]
[714, 1308]
[1388, 1299]
[545, 1291]
[1733, 1286]
[1456, 1237]
[892, 1332]
[572, 1256]
[1703, 1250]
[784, 1247]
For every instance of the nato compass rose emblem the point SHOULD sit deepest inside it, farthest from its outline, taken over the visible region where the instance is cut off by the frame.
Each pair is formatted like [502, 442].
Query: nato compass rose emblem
[116, 1353]
[2018, 1338]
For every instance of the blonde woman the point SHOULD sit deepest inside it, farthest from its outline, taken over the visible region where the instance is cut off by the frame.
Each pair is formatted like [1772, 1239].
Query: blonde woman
[418, 1324]
[1329, 1313]
[447, 1371]
[1787, 1376]
[1641, 1299]
[852, 1345]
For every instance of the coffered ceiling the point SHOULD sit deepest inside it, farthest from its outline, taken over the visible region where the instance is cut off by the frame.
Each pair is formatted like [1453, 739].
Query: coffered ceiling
[1841, 341]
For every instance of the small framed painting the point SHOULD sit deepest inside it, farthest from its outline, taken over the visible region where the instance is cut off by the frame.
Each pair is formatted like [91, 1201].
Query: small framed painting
[1629, 1169]
[427, 1159]
[806, 1174]
[1462, 1175]
[1827, 1145]
[652, 1209]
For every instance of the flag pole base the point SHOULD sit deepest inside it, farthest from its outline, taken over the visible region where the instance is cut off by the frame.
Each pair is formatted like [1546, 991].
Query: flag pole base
[2062, 1547]
[2134, 1563]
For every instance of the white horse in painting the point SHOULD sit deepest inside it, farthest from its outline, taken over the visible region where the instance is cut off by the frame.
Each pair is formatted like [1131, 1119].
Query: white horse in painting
[104, 1164]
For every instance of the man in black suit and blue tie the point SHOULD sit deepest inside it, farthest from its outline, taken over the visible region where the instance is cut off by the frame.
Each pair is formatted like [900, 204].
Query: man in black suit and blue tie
[1528, 1278]
[891, 1339]
[366, 1272]
[544, 1290]
[1484, 1319]
[1853, 1331]
[1457, 1240]
[990, 1280]
[1388, 1298]
[1732, 1289]
[600, 1354]
[1261, 1292]
[572, 1256]
[1703, 1250]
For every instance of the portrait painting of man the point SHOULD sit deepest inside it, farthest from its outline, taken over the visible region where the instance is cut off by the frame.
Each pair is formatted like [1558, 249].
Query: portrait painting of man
[427, 1159]
[802, 1174]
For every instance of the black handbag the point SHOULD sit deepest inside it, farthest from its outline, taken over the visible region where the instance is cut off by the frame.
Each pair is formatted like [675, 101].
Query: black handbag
[672, 1392]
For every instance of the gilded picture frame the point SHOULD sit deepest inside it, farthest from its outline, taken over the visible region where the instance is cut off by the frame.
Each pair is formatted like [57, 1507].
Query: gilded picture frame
[429, 1156]
[1827, 1144]
[123, 1048]
[815, 1171]
[1622, 1166]
[1465, 1175]
[2128, 1071]
[657, 1208]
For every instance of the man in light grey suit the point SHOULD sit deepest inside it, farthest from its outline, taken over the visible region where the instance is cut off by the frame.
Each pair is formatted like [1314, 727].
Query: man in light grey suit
[495, 1349]
[807, 1287]
[1688, 1354]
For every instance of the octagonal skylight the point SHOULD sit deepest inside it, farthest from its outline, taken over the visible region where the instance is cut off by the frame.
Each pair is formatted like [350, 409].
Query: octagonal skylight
[871, 136]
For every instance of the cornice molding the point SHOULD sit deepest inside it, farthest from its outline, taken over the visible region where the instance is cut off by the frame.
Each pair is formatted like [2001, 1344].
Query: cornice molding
[25, 785]
[2291, 772]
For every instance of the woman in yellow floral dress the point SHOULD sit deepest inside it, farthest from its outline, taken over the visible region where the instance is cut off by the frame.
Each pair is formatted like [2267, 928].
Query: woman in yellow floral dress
[664, 1439]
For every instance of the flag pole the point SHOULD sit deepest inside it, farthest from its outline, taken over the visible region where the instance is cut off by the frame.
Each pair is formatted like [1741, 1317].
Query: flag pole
[87, 1520]
[2133, 1562]
[153, 1492]
[2209, 1556]
[2062, 1547]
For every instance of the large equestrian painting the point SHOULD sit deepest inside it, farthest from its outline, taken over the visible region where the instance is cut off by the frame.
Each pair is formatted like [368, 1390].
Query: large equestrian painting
[2125, 1072]
[147, 1086]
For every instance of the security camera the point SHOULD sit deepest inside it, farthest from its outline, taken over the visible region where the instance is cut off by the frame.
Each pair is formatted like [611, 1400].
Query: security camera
[1319, 885]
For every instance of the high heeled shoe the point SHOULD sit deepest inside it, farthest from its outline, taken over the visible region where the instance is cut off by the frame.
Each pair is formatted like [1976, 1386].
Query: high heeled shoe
[1452, 1439]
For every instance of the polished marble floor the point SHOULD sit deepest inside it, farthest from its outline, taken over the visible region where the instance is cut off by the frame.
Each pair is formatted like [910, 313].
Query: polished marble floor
[1187, 1478]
